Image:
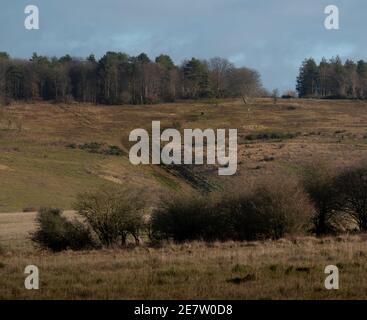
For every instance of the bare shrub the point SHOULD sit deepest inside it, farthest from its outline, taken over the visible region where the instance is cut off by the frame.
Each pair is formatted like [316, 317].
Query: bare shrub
[320, 182]
[113, 213]
[272, 209]
[352, 185]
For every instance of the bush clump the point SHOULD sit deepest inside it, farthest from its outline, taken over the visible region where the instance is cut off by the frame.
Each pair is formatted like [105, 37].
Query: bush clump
[57, 233]
[322, 186]
[270, 211]
[98, 148]
[352, 190]
[271, 136]
[113, 214]
[188, 218]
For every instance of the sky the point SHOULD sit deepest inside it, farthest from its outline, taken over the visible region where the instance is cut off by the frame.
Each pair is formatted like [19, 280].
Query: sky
[273, 37]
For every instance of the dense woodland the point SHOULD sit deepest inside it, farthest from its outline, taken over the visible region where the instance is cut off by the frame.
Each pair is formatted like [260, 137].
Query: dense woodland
[121, 79]
[118, 78]
[333, 79]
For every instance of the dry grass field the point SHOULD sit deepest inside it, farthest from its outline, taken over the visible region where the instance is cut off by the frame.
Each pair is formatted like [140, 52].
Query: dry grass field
[38, 167]
[285, 269]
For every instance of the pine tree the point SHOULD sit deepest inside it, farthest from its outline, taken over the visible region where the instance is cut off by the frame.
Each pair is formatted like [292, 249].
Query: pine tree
[308, 81]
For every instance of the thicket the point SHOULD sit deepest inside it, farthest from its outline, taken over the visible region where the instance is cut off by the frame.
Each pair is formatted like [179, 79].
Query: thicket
[323, 202]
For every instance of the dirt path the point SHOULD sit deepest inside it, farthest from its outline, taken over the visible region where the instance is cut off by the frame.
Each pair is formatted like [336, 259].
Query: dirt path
[17, 226]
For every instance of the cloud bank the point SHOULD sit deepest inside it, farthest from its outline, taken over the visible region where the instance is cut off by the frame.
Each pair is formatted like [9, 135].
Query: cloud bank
[270, 36]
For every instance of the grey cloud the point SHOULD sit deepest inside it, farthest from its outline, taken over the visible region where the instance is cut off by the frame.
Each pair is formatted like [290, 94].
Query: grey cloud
[271, 36]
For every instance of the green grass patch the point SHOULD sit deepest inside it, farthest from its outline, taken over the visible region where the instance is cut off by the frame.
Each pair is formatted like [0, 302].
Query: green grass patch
[271, 136]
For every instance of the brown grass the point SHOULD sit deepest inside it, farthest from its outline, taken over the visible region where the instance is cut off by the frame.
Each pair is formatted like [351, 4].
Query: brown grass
[286, 269]
[330, 131]
[291, 268]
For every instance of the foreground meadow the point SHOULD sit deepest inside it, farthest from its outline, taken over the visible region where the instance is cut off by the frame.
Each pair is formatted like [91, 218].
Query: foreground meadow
[291, 268]
[287, 269]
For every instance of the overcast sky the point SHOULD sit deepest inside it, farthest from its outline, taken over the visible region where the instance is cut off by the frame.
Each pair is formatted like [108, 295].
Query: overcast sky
[270, 36]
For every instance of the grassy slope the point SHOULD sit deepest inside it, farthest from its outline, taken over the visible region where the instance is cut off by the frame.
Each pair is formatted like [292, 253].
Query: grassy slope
[37, 169]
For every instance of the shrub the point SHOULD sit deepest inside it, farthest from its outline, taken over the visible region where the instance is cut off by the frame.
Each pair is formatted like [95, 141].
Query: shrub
[186, 218]
[352, 185]
[99, 148]
[245, 222]
[321, 184]
[291, 108]
[113, 151]
[271, 136]
[113, 213]
[92, 147]
[271, 210]
[55, 232]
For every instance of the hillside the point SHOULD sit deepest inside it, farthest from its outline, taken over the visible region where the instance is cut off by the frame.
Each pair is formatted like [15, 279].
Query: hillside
[50, 152]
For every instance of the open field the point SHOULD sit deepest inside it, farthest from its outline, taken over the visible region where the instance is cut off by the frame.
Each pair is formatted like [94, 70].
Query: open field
[42, 165]
[285, 269]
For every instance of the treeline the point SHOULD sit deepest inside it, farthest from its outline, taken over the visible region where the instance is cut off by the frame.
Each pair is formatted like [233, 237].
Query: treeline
[333, 79]
[121, 79]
